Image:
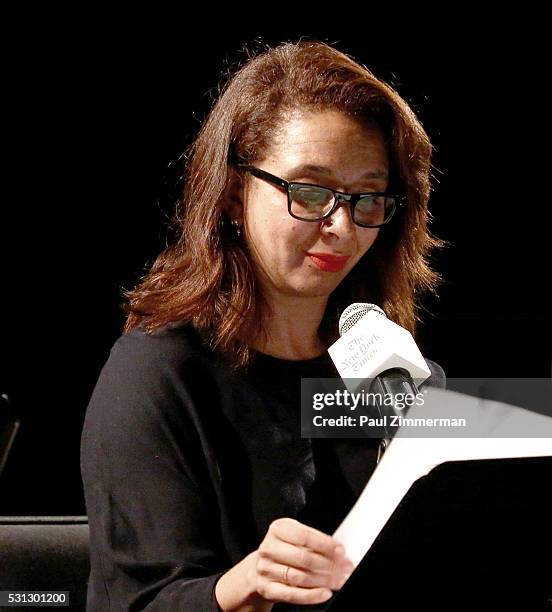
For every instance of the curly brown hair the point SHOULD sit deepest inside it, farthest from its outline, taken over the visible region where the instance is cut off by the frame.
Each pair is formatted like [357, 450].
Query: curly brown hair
[206, 277]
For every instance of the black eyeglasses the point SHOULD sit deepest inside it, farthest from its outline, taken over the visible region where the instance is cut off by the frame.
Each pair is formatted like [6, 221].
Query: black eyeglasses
[308, 202]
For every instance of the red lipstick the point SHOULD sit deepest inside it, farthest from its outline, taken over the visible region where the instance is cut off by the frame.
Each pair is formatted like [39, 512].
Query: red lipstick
[328, 262]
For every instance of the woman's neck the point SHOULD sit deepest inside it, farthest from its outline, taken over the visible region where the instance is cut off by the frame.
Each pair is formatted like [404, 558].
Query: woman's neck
[292, 329]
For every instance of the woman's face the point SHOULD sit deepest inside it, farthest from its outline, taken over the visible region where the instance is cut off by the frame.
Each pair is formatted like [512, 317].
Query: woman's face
[324, 148]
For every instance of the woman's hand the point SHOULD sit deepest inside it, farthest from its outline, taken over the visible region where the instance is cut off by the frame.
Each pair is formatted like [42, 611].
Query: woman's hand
[298, 564]
[294, 563]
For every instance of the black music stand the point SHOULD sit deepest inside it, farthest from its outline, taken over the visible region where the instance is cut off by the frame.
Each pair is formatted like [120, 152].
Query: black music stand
[469, 534]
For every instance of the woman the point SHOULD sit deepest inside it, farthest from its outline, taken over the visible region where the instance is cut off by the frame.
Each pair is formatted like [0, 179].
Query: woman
[201, 495]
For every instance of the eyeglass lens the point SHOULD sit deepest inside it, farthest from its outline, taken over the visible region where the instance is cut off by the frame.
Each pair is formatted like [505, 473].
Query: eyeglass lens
[311, 203]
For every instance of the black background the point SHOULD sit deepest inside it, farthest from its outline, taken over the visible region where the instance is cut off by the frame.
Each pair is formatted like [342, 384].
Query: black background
[100, 110]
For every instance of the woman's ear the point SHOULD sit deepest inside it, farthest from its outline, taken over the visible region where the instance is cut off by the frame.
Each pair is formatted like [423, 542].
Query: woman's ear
[233, 196]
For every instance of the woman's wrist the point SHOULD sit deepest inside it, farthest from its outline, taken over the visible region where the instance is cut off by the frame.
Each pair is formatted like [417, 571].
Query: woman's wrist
[235, 590]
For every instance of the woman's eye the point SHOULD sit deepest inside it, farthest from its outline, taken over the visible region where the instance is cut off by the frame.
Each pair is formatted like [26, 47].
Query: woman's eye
[371, 202]
[311, 197]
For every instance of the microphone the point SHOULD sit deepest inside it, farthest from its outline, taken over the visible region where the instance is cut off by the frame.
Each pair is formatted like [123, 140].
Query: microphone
[373, 347]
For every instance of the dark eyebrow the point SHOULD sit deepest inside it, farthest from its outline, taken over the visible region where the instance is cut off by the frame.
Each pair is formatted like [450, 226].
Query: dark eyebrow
[305, 168]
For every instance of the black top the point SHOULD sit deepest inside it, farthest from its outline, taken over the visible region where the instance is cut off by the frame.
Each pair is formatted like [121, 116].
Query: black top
[186, 462]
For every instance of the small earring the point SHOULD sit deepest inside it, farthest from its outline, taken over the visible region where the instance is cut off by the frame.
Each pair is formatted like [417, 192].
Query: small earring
[237, 227]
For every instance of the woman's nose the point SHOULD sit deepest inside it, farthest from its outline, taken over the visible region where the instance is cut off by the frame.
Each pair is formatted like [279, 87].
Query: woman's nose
[341, 221]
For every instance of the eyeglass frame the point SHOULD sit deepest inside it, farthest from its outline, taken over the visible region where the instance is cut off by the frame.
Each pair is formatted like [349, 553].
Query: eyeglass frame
[339, 196]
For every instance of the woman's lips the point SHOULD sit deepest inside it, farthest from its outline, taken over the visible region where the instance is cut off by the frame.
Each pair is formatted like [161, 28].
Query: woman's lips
[327, 262]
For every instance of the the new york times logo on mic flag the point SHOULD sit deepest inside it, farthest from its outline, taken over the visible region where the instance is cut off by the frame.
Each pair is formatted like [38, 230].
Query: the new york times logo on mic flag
[381, 368]
[370, 344]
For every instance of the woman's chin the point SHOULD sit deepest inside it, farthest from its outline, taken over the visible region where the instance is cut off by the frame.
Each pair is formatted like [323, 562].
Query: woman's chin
[316, 287]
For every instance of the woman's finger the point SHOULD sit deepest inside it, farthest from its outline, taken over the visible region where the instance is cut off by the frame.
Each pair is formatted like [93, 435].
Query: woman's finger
[296, 533]
[277, 591]
[280, 552]
[294, 576]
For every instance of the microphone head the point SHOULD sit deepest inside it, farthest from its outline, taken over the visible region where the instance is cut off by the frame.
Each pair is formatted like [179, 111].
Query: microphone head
[353, 313]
